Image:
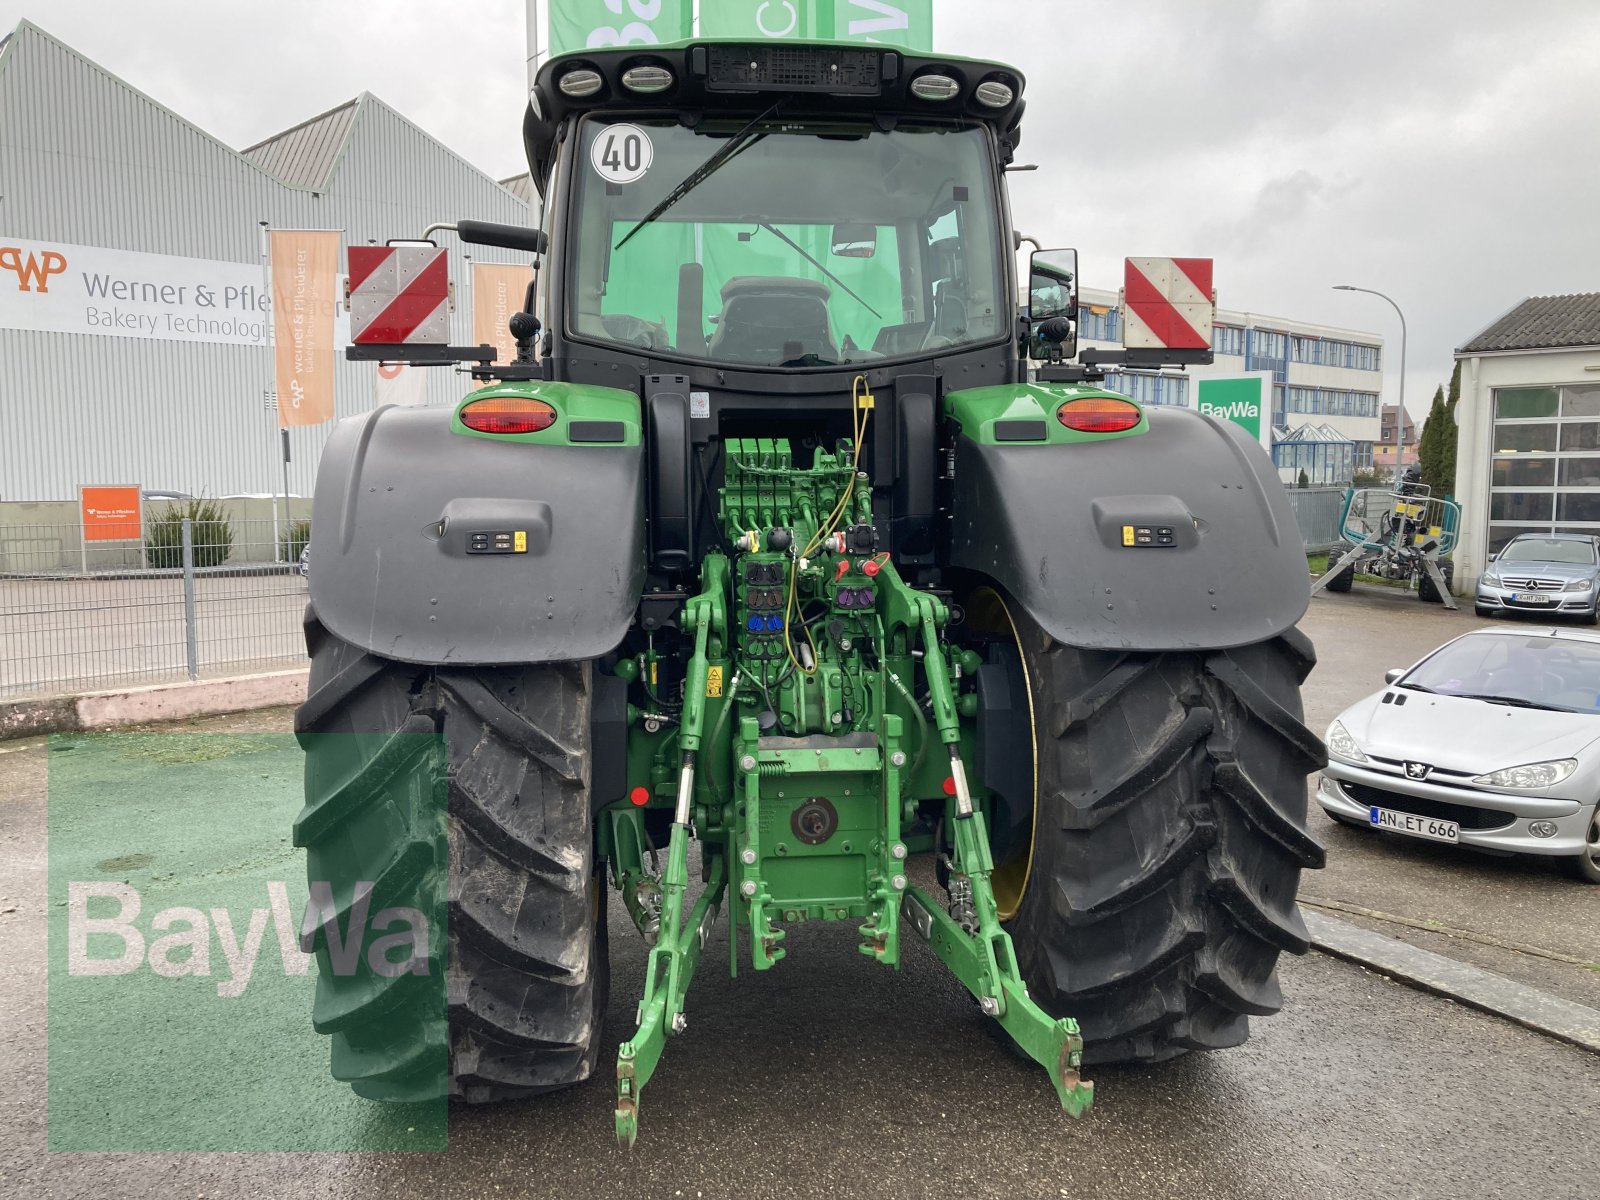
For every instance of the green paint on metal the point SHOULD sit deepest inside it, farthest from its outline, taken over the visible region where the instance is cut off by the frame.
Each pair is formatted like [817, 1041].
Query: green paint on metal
[820, 712]
[572, 402]
[977, 410]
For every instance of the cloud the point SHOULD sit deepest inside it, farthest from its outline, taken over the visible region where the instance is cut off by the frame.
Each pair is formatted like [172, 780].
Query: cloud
[1444, 153]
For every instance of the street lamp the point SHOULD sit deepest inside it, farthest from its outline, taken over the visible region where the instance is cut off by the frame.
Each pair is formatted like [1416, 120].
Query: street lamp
[1400, 409]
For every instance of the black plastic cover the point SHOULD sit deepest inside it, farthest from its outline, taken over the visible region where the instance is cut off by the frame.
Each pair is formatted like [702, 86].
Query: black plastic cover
[1058, 527]
[401, 504]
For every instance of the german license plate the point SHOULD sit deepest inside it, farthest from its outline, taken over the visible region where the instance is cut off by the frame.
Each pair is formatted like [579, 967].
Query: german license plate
[1531, 598]
[1413, 825]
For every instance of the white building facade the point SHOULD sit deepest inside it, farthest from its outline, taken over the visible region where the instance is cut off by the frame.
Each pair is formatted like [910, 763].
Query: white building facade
[1528, 454]
[1324, 379]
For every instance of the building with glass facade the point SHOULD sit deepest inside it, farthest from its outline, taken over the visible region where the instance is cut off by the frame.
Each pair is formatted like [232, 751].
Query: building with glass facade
[1323, 377]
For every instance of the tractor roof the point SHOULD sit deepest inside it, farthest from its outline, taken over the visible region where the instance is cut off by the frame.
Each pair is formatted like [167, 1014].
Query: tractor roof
[733, 76]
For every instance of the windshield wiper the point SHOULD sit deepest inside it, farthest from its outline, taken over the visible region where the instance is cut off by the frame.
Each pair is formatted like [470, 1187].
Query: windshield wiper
[801, 251]
[1417, 687]
[745, 137]
[1515, 702]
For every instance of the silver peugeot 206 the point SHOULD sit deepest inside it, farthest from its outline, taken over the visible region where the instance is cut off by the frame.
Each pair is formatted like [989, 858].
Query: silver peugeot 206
[1492, 741]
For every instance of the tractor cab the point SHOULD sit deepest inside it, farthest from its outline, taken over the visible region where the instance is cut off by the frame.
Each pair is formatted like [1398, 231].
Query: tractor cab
[814, 209]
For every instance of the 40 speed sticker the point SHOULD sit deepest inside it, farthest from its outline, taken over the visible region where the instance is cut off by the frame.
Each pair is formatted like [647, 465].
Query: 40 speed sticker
[621, 153]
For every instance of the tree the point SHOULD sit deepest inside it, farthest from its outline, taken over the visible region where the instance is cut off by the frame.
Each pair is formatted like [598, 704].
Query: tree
[1447, 446]
[1428, 461]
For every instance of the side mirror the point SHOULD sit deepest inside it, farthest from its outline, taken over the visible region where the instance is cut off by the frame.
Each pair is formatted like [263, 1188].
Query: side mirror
[854, 241]
[1492, 557]
[507, 237]
[1393, 673]
[1053, 293]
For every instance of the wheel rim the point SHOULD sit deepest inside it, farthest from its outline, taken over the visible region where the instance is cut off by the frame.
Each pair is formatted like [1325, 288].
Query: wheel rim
[1592, 847]
[986, 612]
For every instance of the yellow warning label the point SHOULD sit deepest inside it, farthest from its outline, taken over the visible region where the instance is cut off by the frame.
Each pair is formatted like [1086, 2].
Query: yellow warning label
[519, 542]
[1127, 535]
[713, 681]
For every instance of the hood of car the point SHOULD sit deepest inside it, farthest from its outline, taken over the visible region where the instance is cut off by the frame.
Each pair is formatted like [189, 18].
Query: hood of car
[1542, 570]
[1474, 736]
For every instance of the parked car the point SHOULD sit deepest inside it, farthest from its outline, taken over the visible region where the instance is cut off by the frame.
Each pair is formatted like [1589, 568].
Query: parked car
[1543, 573]
[1492, 741]
[305, 562]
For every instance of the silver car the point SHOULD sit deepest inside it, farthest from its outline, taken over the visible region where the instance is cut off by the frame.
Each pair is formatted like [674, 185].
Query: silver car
[1492, 741]
[1545, 573]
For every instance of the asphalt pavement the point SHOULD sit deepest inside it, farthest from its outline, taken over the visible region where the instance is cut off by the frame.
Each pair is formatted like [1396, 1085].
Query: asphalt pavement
[831, 1075]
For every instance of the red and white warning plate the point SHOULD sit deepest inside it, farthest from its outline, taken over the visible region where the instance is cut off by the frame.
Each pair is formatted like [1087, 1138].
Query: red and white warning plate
[399, 294]
[1167, 302]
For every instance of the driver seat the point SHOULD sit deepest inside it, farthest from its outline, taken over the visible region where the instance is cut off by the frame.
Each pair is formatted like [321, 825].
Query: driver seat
[765, 315]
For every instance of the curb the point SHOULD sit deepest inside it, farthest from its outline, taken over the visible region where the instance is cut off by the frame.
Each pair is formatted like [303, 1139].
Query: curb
[1565, 1020]
[161, 702]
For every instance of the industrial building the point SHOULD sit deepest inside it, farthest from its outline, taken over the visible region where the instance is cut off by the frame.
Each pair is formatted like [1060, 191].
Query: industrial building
[117, 200]
[1326, 382]
[1528, 454]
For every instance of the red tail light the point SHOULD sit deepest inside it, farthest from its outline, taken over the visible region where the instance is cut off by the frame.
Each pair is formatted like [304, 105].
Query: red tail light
[1099, 414]
[508, 414]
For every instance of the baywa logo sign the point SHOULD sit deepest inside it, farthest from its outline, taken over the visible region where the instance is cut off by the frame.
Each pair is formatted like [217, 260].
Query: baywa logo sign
[201, 995]
[32, 270]
[184, 947]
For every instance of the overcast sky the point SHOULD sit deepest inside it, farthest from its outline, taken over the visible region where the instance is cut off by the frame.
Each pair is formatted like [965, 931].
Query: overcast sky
[1445, 152]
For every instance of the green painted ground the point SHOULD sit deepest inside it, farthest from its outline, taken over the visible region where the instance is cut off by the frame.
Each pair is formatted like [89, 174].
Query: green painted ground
[152, 1060]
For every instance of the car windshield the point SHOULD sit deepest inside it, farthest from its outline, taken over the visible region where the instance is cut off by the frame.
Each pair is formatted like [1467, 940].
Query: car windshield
[1561, 550]
[1522, 670]
[812, 243]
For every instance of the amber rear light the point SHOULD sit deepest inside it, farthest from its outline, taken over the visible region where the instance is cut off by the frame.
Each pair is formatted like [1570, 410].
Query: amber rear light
[1099, 414]
[508, 414]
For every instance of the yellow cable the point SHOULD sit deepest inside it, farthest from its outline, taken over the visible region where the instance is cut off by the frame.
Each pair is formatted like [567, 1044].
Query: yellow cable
[859, 414]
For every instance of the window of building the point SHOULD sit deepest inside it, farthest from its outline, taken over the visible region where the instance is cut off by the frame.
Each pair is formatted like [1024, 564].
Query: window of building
[1228, 339]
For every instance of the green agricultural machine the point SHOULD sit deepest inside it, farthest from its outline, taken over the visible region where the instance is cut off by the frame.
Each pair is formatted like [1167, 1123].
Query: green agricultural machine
[766, 587]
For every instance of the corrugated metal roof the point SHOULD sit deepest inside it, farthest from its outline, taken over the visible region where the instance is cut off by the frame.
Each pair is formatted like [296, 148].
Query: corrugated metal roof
[306, 155]
[1543, 323]
[520, 186]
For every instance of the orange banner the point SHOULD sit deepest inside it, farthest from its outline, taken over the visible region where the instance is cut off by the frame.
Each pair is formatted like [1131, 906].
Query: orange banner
[498, 290]
[110, 514]
[305, 281]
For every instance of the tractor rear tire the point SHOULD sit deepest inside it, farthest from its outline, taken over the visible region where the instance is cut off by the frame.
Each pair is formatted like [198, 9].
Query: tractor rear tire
[1169, 836]
[503, 845]
[1343, 581]
[1427, 592]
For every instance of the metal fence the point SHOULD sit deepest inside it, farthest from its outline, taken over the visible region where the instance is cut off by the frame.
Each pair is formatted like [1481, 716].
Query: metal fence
[185, 601]
[177, 600]
[1317, 511]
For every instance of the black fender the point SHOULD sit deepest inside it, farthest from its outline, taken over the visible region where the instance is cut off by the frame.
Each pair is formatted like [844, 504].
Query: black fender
[393, 568]
[1063, 527]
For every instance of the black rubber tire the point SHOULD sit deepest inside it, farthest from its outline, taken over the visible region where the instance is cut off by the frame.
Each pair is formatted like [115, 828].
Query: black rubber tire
[1343, 581]
[1426, 591]
[1169, 838]
[503, 843]
[1586, 866]
[1487, 613]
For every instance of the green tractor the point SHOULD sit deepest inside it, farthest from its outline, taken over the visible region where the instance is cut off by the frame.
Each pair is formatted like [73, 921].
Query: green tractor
[767, 558]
